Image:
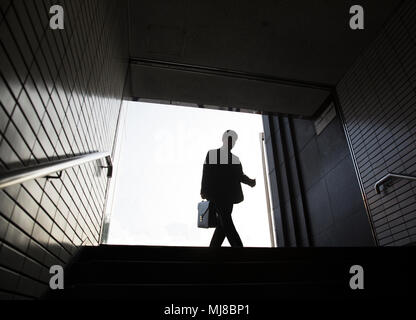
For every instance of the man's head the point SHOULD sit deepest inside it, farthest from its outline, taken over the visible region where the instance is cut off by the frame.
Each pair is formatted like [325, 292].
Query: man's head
[229, 139]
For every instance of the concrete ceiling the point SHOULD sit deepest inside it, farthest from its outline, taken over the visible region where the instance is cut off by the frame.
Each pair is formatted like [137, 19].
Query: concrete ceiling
[291, 51]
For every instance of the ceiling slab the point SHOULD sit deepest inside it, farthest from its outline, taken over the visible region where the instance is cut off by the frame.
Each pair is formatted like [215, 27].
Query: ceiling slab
[174, 85]
[305, 41]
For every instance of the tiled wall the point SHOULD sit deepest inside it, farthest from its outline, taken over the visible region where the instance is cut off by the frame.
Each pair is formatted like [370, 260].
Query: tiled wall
[315, 194]
[378, 99]
[60, 95]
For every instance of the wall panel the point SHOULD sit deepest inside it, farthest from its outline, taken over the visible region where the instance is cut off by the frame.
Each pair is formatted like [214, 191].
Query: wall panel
[60, 96]
[315, 194]
[378, 100]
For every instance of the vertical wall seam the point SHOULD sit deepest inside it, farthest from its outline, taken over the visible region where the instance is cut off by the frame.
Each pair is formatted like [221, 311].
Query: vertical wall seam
[284, 226]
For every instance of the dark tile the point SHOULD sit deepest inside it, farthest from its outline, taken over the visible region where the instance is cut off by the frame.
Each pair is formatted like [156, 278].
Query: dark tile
[8, 156]
[12, 49]
[4, 224]
[31, 268]
[278, 227]
[344, 192]
[8, 279]
[319, 209]
[31, 287]
[279, 147]
[16, 237]
[40, 235]
[11, 258]
[295, 176]
[6, 204]
[4, 5]
[301, 218]
[332, 145]
[35, 251]
[6, 296]
[290, 227]
[7, 96]
[323, 239]
[287, 135]
[285, 179]
[354, 231]
[274, 195]
[26, 22]
[310, 164]
[304, 131]
[4, 120]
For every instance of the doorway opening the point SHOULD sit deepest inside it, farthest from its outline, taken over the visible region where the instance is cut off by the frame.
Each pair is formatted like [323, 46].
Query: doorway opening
[158, 177]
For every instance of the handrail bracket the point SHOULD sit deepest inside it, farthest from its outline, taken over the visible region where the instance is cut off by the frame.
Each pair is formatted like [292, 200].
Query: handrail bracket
[109, 166]
[387, 180]
[58, 176]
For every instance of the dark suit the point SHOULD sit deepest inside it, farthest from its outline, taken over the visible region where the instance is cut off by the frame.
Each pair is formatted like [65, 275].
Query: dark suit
[221, 185]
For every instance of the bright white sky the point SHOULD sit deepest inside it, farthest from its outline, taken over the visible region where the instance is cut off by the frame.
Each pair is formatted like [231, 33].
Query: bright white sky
[160, 170]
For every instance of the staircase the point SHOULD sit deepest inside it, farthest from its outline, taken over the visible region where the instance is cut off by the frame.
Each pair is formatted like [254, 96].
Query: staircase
[239, 274]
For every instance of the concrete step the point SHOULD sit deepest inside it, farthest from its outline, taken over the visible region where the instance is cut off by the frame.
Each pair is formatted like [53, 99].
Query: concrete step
[194, 274]
[117, 272]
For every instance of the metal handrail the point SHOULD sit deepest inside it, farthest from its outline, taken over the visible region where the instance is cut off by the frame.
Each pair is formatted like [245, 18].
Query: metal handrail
[390, 176]
[45, 169]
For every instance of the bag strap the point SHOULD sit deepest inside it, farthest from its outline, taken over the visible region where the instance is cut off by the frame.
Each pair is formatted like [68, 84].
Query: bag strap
[202, 215]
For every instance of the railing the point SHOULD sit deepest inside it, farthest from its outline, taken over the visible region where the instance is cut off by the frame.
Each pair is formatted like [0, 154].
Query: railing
[46, 169]
[266, 186]
[389, 177]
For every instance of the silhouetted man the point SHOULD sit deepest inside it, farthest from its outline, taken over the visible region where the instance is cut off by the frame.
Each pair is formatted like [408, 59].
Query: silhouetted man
[221, 185]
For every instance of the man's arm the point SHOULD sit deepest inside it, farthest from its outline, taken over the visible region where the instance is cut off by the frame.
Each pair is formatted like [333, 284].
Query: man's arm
[204, 181]
[246, 180]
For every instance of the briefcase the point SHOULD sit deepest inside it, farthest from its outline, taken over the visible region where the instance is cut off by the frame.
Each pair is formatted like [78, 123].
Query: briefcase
[206, 216]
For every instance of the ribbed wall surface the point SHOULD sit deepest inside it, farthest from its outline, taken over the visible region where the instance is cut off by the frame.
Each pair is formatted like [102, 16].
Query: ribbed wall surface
[315, 194]
[378, 99]
[60, 95]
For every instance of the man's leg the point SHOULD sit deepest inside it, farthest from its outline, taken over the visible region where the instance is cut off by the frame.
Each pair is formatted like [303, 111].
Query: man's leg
[225, 220]
[218, 237]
